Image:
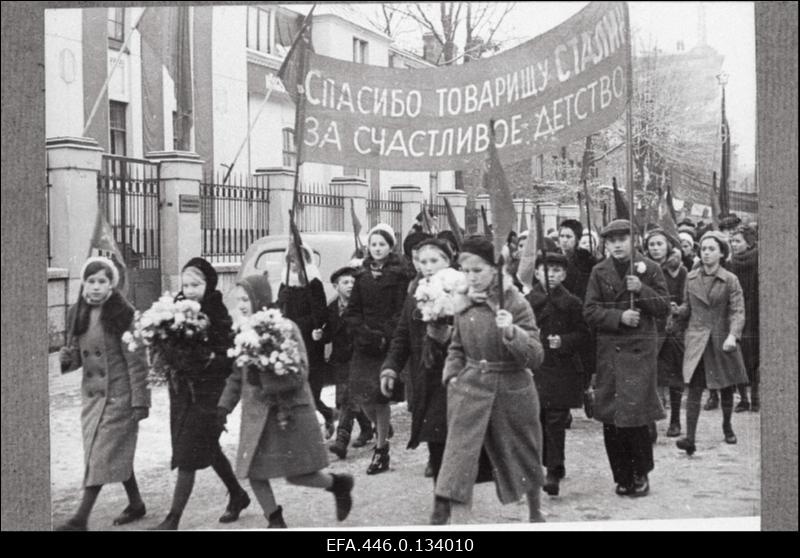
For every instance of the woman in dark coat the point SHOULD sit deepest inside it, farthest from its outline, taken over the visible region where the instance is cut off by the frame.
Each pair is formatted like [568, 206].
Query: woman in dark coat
[267, 450]
[626, 395]
[713, 303]
[492, 403]
[744, 264]
[306, 306]
[193, 400]
[372, 315]
[424, 346]
[114, 389]
[664, 250]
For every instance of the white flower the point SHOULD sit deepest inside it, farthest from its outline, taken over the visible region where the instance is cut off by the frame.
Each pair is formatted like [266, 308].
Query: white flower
[132, 347]
[641, 267]
[127, 337]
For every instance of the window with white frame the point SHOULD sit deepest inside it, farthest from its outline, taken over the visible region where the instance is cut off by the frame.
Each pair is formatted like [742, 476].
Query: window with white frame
[360, 51]
[289, 149]
[259, 29]
[118, 128]
[116, 27]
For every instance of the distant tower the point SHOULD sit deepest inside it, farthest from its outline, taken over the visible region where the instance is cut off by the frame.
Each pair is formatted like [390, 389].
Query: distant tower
[701, 25]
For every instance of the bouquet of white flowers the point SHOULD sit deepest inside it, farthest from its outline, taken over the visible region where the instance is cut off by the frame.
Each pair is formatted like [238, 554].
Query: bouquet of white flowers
[265, 348]
[435, 295]
[175, 332]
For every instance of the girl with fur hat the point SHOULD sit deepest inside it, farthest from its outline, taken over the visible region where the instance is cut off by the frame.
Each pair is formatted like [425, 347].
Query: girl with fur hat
[492, 403]
[267, 451]
[304, 303]
[372, 315]
[713, 304]
[114, 391]
[663, 249]
[194, 426]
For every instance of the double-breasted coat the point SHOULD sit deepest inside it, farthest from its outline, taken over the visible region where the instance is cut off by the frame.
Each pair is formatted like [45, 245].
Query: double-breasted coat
[626, 392]
[114, 382]
[561, 377]
[492, 402]
[266, 450]
[713, 314]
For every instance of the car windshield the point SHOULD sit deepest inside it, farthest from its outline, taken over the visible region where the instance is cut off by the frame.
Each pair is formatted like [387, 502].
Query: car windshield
[273, 259]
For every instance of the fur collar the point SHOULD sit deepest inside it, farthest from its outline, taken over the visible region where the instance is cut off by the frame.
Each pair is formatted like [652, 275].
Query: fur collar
[745, 261]
[463, 301]
[116, 315]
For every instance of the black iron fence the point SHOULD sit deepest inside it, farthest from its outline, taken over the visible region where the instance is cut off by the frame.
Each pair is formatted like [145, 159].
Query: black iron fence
[320, 207]
[232, 215]
[47, 189]
[387, 210]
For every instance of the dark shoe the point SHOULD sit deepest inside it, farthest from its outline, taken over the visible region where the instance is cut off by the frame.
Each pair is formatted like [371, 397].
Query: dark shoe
[275, 519]
[551, 484]
[363, 439]
[744, 405]
[130, 514]
[538, 518]
[730, 437]
[170, 523]
[625, 490]
[686, 445]
[235, 506]
[380, 461]
[568, 425]
[441, 511]
[674, 430]
[338, 449]
[72, 525]
[641, 486]
[330, 429]
[342, 487]
[712, 403]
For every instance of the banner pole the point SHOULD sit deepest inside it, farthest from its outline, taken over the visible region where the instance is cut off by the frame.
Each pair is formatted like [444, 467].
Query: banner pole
[629, 137]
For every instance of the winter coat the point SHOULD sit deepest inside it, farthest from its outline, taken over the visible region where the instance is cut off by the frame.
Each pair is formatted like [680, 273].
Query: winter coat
[492, 402]
[561, 377]
[427, 401]
[579, 267]
[266, 450]
[193, 399]
[306, 306]
[114, 382]
[745, 267]
[670, 329]
[372, 315]
[335, 332]
[712, 316]
[626, 393]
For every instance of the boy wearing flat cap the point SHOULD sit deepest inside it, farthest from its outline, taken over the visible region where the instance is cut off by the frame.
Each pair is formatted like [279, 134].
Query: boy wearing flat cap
[626, 396]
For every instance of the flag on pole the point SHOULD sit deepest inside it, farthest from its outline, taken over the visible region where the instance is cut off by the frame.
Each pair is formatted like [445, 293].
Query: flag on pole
[621, 207]
[526, 269]
[487, 230]
[428, 225]
[103, 244]
[725, 171]
[665, 217]
[356, 230]
[295, 242]
[714, 200]
[454, 226]
[503, 213]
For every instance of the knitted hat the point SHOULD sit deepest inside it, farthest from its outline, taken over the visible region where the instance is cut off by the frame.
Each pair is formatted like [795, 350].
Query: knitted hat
[437, 243]
[721, 240]
[106, 263]
[684, 235]
[552, 258]
[342, 271]
[574, 225]
[659, 231]
[750, 234]
[208, 271]
[448, 236]
[412, 239]
[691, 230]
[617, 226]
[385, 231]
[480, 246]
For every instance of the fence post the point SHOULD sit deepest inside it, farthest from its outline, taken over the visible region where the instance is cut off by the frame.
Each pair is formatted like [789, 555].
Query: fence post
[410, 197]
[357, 189]
[73, 164]
[458, 201]
[181, 236]
[520, 205]
[484, 200]
[280, 183]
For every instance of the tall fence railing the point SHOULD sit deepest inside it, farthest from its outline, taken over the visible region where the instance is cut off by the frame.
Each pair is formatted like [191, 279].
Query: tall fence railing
[385, 208]
[320, 207]
[47, 188]
[232, 215]
[472, 218]
[440, 213]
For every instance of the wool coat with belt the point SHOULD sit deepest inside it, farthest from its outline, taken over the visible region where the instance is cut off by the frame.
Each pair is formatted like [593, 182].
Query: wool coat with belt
[713, 314]
[492, 401]
[372, 315]
[427, 394]
[561, 378]
[626, 393]
[114, 381]
[266, 450]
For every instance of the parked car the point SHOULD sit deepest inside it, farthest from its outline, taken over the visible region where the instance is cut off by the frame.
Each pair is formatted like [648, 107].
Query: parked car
[331, 250]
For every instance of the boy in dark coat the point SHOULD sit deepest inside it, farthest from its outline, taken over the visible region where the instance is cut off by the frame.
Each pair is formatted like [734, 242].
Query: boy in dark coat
[334, 331]
[561, 378]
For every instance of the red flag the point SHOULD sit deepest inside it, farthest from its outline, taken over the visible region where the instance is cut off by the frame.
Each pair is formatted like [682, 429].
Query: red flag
[103, 244]
[622, 211]
[356, 228]
[295, 242]
[665, 217]
[427, 223]
[454, 226]
[715, 212]
[503, 214]
[724, 205]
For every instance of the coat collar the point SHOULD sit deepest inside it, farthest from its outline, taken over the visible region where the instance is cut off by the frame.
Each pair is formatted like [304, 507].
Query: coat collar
[609, 273]
[695, 283]
[558, 300]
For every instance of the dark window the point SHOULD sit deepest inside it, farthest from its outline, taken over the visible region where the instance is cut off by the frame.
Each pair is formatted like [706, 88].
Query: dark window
[175, 130]
[289, 149]
[116, 27]
[259, 28]
[360, 51]
[118, 127]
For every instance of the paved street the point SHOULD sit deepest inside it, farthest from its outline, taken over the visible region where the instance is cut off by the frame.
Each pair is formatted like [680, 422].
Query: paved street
[718, 481]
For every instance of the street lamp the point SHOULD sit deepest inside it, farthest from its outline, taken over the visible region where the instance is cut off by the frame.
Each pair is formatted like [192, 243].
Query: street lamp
[722, 78]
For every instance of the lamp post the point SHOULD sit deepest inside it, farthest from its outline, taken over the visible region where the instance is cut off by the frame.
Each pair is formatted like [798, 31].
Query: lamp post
[725, 170]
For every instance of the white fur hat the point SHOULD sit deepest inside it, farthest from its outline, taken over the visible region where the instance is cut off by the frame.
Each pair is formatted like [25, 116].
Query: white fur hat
[384, 228]
[105, 261]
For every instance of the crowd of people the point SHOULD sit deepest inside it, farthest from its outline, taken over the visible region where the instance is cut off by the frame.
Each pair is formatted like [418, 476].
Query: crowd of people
[616, 324]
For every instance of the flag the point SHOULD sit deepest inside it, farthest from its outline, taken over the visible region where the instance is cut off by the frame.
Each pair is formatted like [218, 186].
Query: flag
[103, 244]
[428, 225]
[487, 230]
[619, 202]
[714, 200]
[665, 216]
[356, 229]
[295, 242]
[526, 269]
[503, 213]
[670, 202]
[582, 216]
[454, 226]
[725, 172]
[166, 42]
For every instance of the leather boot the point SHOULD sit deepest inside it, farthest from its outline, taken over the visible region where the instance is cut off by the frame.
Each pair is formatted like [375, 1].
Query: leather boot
[275, 519]
[236, 504]
[342, 487]
[713, 401]
[130, 514]
[551, 483]
[441, 511]
[380, 460]
[339, 447]
[72, 525]
[170, 523]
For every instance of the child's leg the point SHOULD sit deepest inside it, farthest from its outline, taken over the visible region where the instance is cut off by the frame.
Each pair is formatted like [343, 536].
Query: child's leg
[340, 485]
[383, 415]
[81, 517]
[265, 496]
[132, 490]
[183, 489]
[534, 505]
